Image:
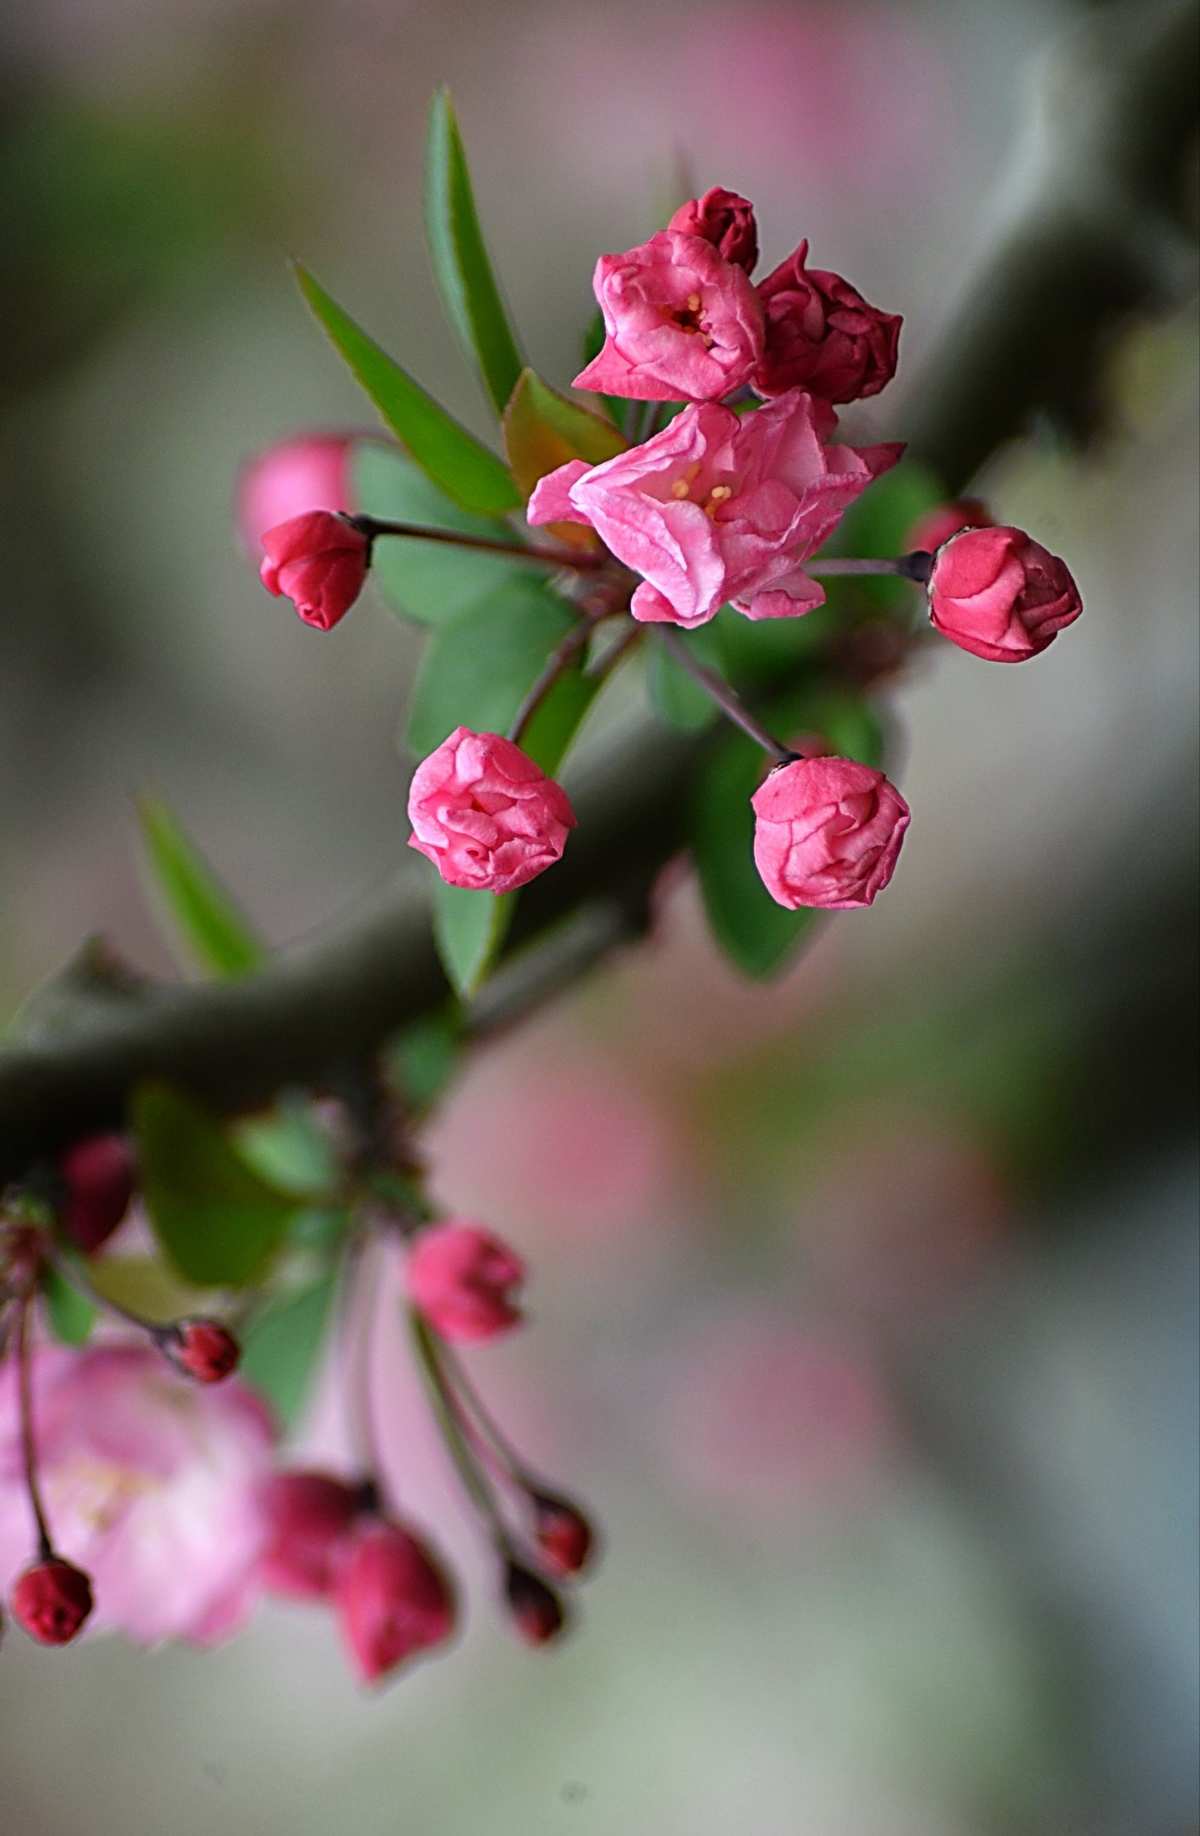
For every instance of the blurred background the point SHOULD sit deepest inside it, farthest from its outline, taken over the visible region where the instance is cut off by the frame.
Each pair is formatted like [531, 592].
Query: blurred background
[865, 1304]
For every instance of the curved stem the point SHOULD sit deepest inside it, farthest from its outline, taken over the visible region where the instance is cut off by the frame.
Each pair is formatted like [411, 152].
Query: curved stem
[473, 1481]
[485, 1427]
[915, 566]
[28, 1451]
[558, 662]
[579, 561]
[718, 690]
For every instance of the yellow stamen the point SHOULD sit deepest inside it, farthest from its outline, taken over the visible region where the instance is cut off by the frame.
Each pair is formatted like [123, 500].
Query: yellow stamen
[681, 488]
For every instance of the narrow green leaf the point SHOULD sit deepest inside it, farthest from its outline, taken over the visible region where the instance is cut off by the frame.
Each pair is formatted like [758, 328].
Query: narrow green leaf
[218, 1223]
[425, 1056]
[204, 915]
[426, 581]
[69, 1313]
[543, 430]
[466, 470]
[289, 1149]
[469, 928]
[282, 1347]
[147, 1286]
[677, 698]
[460, 258]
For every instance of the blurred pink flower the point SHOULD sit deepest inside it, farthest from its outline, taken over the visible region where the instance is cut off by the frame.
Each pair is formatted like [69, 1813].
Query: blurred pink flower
[151, 1484]
[311, 471]
[464, 1280]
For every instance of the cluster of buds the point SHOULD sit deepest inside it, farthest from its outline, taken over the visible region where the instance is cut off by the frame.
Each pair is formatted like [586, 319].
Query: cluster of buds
[728, 504]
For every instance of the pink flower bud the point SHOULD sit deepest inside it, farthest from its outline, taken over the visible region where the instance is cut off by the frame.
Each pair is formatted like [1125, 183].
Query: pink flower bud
[98, 1177]
[821, 335]
[392, 1599]
[203, 1349]
[827, 834]
[681, 323]
[726, 220]
[319, 562]
[536, 1609]
[1001, 595]
[310, 1516]
[308, 472]
[52, 1600]
[463, 1279]
[938, 525]
[485, 814]
[563, 1534]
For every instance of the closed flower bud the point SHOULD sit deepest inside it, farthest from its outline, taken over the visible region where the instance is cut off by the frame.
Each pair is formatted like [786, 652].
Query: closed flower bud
[485, 814]
[537, 1612]
[310, 1516]
[1001, 595]
[938, 525]
[203, 1349]
[726, 220]
[463, 1280]
[563, 1534]
[98, 1180]
[821, 335]
[392, 1599]
[308, 472]
[51, 1601]
[319, 561]
[827, 833]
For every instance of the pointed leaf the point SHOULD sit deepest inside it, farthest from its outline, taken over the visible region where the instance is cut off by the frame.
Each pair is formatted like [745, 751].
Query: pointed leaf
[543, 430]
[469, 928]
[460, 257]
[283, 1345]
[466, 470]
[204, 914]
[69, 1313]
[146, 1285]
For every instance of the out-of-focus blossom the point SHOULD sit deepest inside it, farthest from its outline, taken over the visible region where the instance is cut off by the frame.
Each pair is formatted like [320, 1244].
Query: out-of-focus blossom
[821, 335]
[681, 323]
[52, 1601]
[937, 526]
[827, 833]
[319, 562]
[151, 1484]
[98, 1182]
[537, 1612]
[464, 1280]
[311, 471]
[1000, 594]
[392, 1599]
[310, 1516]
[720, 507]
[486, 815]
[725, 219]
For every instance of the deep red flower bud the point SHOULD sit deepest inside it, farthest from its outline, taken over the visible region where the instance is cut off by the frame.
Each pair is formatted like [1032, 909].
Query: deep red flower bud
[821, 335]
[536, 1609]
[203, 1349]
[563, 1534]
[319, 561]
[725, 219]
[392, 1599]
[98, 1180]
[52, 1600]
[311, 1516]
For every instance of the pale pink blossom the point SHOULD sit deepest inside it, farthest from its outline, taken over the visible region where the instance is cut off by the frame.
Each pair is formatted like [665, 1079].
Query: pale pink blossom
[1000, 594]
[827, 833]
[720, 507]
[485, 814]
[152, 1485]
[310, 471]
[681, 323]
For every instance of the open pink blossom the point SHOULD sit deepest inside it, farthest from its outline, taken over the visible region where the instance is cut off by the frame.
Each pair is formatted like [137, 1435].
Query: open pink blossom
[464, 1280]
[681, 323]
[725, 219]
[319, 562]
[1000, 594]
[393, 1600]
[827, 833]
[821, 335]
[310, 471]
[720, 507]
[485, 814]
[152, 1485]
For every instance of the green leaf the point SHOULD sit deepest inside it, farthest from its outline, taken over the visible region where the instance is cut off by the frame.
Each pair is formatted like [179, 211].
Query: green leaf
[469, 928]
[281, 1348]
[466, 470]
[758, 935]
[218, 1223]
[677, 698]
[543, 430]
[426, 581]
[69, 1313]
[425, 1056]
[460, 257]
[217, 935]
[289, 1149]
[146, 1286]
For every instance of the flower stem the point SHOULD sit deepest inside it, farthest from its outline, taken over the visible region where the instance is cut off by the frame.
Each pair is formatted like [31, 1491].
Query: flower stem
[485, 1425]
[28, 1452]
[915, 566]
[558, 662]
[719, 691]
[579, 561]
[446, 1410]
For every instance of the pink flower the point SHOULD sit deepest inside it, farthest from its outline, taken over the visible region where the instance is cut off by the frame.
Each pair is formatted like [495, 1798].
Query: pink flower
[720, 507]
[308, 472]
[462, 1279]
[392, 1599]
[310, 1516]
[726, 220]
[319, 562]
[151, 1484]
[945, 520]
[485, 814]
[1000, 594]
[821, 335]
[98, 1179]
[52, 1600]
[827, 834]
[681, 323]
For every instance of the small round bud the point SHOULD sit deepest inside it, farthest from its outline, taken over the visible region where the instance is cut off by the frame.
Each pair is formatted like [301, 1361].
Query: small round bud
[310, 1516]
[98, 1181]
[1000, 595]
[827, 833]
[486, 815]
[563, 1534]
[203, 1349]
[51, 1601]
[319, 561]
[537, 1612]
[724, 218]
[392, 1599]
[464, 1280]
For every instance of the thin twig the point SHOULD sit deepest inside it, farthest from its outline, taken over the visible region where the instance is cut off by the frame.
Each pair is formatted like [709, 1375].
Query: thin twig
[557, 664]
[718, 690]
[28, 1451]
[579, 560]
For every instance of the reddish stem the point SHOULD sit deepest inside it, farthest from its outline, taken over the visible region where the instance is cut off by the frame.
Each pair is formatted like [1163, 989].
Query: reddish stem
[28, 1451]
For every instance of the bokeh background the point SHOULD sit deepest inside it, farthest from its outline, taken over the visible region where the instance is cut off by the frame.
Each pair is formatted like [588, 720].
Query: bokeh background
[865, 1304]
